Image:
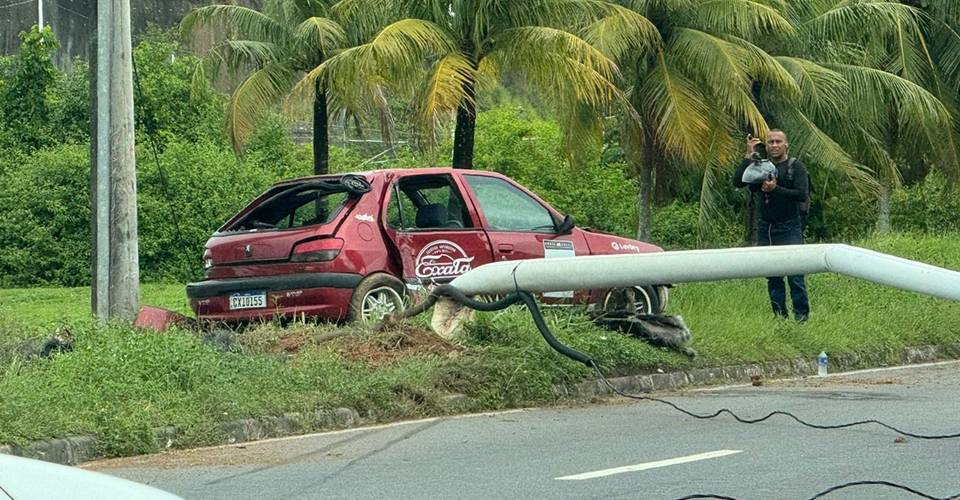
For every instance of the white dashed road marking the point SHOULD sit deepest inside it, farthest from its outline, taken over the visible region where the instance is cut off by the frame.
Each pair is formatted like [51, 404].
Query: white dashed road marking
[648, 465]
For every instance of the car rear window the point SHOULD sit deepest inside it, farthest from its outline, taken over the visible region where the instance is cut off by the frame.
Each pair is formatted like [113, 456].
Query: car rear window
[302, 205]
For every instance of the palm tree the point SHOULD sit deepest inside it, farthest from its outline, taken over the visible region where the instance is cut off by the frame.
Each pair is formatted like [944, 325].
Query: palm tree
[726, 68]
[897, 86]
[439, 52]
[276, 46]
[693, 88]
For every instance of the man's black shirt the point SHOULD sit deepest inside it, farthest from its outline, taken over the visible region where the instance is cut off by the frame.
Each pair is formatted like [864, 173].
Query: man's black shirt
[783, 203]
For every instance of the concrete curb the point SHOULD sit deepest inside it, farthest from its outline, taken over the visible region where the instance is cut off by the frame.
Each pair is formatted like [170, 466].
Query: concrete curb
[77, 449]
[743, 373]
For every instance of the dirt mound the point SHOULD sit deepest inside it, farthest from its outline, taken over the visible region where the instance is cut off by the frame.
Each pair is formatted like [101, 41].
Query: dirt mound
[400, 341]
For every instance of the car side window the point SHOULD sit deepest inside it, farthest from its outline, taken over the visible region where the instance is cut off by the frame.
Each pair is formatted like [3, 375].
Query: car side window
[508, 208]
[427, 202]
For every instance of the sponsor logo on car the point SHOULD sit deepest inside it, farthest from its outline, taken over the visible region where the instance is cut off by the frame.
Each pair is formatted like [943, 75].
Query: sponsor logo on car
[625, 247]
[442, 259]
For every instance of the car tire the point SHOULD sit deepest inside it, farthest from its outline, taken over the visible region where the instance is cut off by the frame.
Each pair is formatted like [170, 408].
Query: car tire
[646, 300]
[375, 297]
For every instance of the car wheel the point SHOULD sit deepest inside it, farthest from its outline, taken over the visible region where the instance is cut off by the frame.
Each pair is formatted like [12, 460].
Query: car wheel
[645, 300]
[377, 296]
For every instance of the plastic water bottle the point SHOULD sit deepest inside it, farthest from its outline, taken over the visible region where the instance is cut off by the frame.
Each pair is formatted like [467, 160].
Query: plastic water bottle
[822, 364]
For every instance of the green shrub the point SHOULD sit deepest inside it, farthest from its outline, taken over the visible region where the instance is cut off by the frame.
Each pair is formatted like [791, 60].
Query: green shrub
[24, 110]
[195, 190]
[46, 234]
[931, 206]
[529, 150]
[168, 104]
[45, 230]
[676, 225]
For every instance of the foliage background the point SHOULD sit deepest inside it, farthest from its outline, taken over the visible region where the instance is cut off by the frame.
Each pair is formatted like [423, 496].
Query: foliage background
[190, 181]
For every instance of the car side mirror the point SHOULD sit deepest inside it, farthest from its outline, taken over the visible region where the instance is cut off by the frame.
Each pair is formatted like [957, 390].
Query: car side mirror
[567, 225]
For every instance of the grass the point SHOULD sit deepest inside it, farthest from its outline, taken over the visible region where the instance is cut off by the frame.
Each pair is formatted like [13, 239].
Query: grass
[122, 384]
[38, 308]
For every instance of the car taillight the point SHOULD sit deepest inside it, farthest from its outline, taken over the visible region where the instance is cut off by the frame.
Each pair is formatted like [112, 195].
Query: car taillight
[207, 259]
[317, 250]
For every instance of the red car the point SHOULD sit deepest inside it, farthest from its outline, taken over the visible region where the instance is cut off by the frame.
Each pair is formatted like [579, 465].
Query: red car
[351, 246]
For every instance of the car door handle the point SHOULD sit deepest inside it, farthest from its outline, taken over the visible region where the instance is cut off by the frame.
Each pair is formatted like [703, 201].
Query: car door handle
[505, 247]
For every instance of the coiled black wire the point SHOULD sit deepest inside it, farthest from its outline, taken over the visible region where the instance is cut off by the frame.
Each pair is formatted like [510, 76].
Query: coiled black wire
[531, 303]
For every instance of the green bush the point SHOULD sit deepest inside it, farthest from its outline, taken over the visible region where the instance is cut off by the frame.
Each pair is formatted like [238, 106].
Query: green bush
[24, 109]
[195, 189]
[529, 150]
[931, 206]
[45, 230]
[168, 104]
[46, 234]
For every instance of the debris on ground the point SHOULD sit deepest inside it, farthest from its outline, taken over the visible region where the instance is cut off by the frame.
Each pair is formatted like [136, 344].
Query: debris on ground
[399, 341]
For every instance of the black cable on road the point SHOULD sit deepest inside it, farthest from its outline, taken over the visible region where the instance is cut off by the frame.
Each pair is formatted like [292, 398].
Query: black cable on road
[839, 487]
[529, 301]
[769, 415]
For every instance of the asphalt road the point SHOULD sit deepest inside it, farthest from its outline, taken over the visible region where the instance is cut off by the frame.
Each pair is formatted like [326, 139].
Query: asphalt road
[623, 449]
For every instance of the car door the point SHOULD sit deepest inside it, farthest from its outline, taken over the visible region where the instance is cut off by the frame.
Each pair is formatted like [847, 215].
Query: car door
[433, 229]
[520, 225]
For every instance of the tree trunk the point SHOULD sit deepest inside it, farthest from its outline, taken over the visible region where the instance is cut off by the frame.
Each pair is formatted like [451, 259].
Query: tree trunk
[466, 128]
[321, 139]
[883, 217]
[386, 121]
[645, 170]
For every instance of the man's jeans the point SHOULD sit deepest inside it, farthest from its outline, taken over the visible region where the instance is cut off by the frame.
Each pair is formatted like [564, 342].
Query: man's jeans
[784, 233]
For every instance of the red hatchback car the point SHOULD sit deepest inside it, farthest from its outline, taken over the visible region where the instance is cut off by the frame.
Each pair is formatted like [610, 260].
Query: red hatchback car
[351, 246]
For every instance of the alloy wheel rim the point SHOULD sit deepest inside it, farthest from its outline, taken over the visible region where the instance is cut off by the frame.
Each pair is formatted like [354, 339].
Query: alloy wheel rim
[380, 302]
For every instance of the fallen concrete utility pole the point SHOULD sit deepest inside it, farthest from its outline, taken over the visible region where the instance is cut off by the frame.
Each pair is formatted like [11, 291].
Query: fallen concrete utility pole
[610, 271]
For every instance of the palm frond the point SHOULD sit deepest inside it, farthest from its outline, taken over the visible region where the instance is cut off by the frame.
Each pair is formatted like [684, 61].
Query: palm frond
[445, 90]
[916, 106]
[823, 92]
[319, 34]
[860, 20]
[364, 18]
[236, 55]
[715, 177]
[720, 68]
[765, 68]
[395, 55]
[623, 32]
[547, 53]
[746, 18]
[235, 20]
[260, 91]
[678, 112]
[811, 142]
[911, 58]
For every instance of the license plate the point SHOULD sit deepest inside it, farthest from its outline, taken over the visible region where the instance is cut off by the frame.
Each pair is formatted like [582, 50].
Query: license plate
[248, 300]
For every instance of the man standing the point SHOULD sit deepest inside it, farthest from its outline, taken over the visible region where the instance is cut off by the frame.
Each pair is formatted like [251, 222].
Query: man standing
[779, 223]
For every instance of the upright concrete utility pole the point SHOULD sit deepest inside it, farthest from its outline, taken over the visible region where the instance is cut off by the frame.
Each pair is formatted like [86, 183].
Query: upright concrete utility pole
[40, 14]
[116, 290]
